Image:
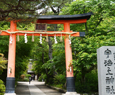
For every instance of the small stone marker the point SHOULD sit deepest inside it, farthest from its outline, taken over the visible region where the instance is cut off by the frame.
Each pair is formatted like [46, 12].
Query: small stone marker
[106, 70]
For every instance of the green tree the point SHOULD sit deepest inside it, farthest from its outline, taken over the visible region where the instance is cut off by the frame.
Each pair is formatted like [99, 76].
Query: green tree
[21, 9]
[99, 32]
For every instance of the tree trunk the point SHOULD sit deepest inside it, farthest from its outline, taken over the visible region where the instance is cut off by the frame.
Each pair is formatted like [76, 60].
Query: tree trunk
[50, 53]
[50, 48]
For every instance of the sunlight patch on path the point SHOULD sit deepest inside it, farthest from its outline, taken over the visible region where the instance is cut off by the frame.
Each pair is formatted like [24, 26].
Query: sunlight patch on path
[34, 90]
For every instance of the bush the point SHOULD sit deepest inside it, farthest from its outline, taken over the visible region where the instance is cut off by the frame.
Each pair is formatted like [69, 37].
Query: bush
[90, 84]
[22, 77]
[27, 75]
[59, 86]
[2, 88]
[59, 79]
[42, 77]
[26, 79]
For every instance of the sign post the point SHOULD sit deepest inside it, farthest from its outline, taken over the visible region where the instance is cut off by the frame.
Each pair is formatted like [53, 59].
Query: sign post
[106, 70]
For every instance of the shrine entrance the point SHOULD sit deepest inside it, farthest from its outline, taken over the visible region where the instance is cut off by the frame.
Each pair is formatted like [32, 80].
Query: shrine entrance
[40, 30]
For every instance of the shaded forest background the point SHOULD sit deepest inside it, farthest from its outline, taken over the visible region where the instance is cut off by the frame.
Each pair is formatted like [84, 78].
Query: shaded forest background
[49, 58]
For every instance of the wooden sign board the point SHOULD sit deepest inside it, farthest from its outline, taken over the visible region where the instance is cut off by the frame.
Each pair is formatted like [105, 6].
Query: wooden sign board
[40, 27]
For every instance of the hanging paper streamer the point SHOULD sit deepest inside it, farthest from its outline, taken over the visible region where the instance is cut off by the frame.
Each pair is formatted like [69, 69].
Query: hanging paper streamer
[47, 38]
[18, 38]
[40, 38]
[61, 39]
[32, 37]
[11, 39]
[70, 69]
[69, 39]
[55, 39]
[25, 36]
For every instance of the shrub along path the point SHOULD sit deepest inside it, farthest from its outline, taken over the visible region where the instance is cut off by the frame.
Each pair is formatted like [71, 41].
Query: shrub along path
[35, 88]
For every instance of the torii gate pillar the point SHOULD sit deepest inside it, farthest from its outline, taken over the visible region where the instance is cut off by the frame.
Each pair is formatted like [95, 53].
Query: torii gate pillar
[10, 80]
[68, 57]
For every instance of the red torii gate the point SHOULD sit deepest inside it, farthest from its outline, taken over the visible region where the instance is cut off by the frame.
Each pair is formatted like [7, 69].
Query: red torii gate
[66, 20]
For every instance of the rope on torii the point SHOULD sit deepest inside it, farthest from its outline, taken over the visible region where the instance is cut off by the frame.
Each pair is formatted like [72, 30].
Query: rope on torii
[59, 32]
[48, 33]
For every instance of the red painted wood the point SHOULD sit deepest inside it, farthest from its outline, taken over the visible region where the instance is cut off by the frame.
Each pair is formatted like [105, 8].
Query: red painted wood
[62, 21]
[68, 52]
[12, 51]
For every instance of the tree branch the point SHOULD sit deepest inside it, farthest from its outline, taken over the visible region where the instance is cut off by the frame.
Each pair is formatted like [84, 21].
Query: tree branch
[18, 4]
[101, 19]
[53, 9]
[86, 28]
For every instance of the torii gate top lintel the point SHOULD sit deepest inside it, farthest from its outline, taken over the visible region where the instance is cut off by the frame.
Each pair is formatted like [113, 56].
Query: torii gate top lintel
[61, 19]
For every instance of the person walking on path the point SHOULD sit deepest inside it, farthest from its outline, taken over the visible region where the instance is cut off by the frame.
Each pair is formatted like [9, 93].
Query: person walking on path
[30, 79]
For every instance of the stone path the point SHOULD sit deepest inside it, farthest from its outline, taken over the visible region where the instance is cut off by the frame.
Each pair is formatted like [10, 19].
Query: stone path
[35, 88]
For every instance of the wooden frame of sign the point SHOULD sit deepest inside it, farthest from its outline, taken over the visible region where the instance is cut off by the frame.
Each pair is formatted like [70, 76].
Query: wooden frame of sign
[40, 27]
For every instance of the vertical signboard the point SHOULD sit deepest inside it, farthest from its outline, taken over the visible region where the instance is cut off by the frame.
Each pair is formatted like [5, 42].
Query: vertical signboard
[106, 70]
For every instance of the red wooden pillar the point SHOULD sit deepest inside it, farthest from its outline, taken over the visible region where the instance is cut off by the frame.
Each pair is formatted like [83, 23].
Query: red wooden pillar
[68, 57]
[10, 80]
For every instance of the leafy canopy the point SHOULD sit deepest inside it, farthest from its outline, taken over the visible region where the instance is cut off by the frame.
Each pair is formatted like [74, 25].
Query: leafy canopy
[20, 9]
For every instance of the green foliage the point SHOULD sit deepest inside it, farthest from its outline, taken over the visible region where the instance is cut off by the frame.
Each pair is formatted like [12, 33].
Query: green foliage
[40, 54]
[56, 6]
[22, 56]
[59, 79]
[45, 66]
[85, 59]
[28, 26]
[90, 85]
[42, 77]
[2, 62]
[21, 9]
[99, 32]
[27, 75]
[4, 40]
[58, 59]
[26, 79]
[102, 10]
[21, 66]
[2, 88]
[4, 25]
